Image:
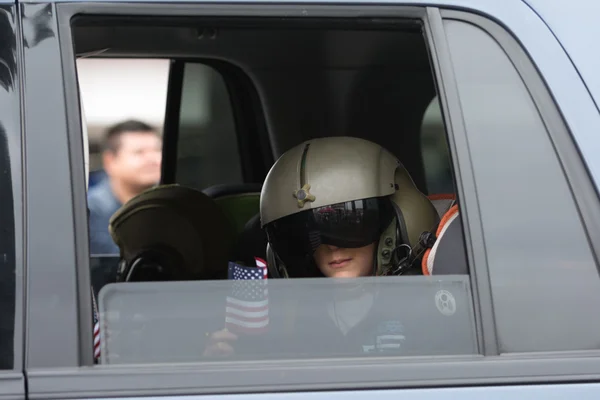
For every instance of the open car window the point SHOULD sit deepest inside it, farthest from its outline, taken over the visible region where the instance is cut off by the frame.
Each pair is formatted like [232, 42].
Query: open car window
[207, 142]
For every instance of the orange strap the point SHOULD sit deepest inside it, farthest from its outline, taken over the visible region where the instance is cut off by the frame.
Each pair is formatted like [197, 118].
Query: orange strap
[442, 196]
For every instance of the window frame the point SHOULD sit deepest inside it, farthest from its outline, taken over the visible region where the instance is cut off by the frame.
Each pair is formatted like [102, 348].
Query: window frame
[56, 207]
[464, 182]
[171, 125]
[73, 350]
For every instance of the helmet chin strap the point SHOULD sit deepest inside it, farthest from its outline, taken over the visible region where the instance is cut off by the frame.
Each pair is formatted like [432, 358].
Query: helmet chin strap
[387, 260]
[388, 241]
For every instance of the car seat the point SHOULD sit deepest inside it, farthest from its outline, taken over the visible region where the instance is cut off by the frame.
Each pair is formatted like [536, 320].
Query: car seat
[447, 256]
[238, 201]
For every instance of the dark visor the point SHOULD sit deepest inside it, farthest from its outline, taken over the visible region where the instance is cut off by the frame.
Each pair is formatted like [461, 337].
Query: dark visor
[350, 224]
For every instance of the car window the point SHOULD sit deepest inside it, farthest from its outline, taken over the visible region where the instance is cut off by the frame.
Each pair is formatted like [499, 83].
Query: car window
[130, 94]
[124, 101]
[114, 90]
[207, 145]
[7, 251]
[173, 230]
[435, 152]
[544, 279]
[10, 195]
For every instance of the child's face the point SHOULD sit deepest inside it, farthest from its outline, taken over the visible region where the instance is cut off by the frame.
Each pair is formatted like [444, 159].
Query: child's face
[337, 262]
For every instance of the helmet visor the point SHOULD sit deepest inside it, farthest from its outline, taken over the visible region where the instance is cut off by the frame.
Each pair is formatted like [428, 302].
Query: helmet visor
[349, 224]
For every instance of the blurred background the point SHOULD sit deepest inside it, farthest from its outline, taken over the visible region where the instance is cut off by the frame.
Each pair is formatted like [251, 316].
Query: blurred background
[113, 90]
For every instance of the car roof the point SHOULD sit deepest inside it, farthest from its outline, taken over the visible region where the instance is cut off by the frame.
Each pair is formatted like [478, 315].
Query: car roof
[575, 25]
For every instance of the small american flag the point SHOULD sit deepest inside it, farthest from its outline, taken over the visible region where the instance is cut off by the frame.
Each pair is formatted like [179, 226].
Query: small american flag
[96, 329]
[247, 306]
[262, 264]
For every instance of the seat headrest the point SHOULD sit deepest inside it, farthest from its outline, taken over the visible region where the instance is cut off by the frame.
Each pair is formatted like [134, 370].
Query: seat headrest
[185, 222]
[442, 202]
[447, 256]
[232, 189]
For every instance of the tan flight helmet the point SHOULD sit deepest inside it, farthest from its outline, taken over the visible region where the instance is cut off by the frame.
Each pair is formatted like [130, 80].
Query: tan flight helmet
[171, 233]
[347, 192]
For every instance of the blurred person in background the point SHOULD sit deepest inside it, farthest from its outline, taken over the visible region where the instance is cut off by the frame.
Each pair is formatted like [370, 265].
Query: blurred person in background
[131, 159]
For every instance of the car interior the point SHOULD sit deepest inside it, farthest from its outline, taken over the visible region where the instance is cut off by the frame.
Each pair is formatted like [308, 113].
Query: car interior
[270, 84]
[241, 92]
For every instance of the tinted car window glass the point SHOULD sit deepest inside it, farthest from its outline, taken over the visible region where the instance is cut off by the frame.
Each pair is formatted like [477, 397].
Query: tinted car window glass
[7, 256]
[10, 188]
[434, 150]
[543, 276]
[207, 148]
[157, 322]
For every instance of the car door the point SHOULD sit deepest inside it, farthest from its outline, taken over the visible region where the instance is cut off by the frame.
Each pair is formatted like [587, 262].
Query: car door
[530, 180]
[12, 382]
[504, 84]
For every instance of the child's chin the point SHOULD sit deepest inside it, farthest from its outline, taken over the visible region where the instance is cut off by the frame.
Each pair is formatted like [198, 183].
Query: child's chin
[344, 274]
